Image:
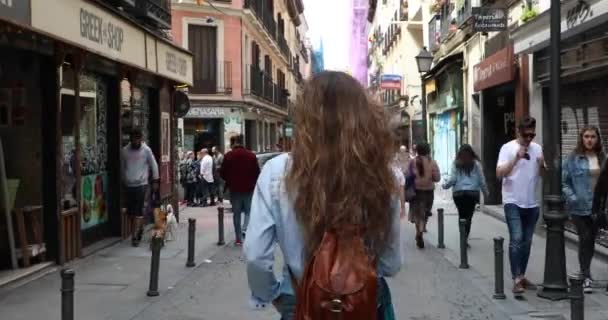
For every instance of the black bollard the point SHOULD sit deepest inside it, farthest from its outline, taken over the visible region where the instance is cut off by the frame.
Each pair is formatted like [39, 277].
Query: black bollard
[67, 294]
[157, 243]
[440, 244]
[577, 297]
[499, 272]
[464, 259]
[220, 226]
[191, 231]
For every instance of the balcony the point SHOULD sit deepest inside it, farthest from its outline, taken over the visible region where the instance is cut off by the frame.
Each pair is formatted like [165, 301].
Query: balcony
[264, 15]
[280, 96]
[156, 12]
[283, 46]
[215, 79]
[259, 84]
[304, 51]
[434, 34]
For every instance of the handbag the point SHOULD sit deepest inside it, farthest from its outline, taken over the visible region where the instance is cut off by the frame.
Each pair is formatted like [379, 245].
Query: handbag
[599, 219]
[410, 183]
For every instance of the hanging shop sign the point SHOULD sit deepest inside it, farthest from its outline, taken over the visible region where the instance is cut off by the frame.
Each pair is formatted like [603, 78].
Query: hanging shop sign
[489, 19]
[15, 10]
[100, 31]
[496, 69]
[390, 81]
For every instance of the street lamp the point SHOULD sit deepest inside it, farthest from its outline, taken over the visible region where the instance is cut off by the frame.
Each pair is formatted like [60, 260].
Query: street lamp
[555, 286]
[424, 60]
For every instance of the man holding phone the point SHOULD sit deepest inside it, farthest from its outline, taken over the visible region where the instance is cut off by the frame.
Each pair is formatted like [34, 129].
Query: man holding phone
[520, 164]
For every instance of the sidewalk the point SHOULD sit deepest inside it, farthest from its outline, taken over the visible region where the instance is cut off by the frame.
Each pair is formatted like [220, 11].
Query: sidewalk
[481, 260]
[112, 283]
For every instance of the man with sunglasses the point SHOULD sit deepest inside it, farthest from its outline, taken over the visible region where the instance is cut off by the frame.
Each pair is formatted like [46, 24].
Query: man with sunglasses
[520, 164]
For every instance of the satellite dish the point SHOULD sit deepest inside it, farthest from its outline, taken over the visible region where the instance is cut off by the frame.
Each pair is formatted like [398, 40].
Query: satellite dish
[181, 103]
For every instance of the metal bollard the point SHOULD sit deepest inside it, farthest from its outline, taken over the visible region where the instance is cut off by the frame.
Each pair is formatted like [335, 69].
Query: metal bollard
[440, 244]
[464, 259]
[191, 232]
[499, 272]
[157, 243]
[577, 297]
[67, 294]
[220, 226]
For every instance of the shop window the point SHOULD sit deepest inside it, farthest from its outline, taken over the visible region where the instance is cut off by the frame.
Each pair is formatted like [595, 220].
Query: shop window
[135, 110]
[92, 137]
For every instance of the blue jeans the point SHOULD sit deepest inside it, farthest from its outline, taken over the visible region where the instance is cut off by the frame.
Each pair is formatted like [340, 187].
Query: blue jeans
[241, 204]
[521, 223]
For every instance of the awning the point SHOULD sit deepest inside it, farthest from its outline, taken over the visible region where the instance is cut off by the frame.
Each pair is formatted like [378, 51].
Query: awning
[455, 57]
[577, 16]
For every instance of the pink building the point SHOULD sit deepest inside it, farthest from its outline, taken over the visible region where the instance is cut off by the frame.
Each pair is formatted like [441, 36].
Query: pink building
[249, 60]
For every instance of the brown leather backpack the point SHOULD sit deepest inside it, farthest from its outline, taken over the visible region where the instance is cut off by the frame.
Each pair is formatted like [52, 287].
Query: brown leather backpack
[339, 282]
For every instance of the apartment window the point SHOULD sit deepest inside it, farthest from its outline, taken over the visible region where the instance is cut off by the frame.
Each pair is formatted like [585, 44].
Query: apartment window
[281, 25]
[280, 79]
[255, 54]
[202, 42]
[268, 66]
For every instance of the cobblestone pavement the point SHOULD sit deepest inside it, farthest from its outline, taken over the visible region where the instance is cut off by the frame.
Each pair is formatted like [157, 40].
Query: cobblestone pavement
[428, 288]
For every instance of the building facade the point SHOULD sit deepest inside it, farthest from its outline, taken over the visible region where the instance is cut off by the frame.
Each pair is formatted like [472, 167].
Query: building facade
[395, 37]
[249, 63]
[75, 77]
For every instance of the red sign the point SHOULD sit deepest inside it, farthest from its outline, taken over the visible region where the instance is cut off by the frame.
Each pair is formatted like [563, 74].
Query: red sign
[496, 69]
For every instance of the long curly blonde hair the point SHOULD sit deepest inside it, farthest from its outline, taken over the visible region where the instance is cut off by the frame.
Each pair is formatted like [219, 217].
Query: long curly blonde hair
[340, 172]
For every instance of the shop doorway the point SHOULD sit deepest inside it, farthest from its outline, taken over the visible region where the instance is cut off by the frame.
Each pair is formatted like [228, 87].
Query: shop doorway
[206, 133]
[498, 128]
[251, 135]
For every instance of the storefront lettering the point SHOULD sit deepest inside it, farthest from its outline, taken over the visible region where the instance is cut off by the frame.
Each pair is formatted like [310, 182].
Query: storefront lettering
[92, 27]
[176, 64]
[578, 14]
[487, 72]
[206, 112]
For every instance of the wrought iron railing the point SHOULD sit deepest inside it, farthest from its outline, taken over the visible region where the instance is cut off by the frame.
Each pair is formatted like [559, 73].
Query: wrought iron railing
[264, 15]
[216, 79]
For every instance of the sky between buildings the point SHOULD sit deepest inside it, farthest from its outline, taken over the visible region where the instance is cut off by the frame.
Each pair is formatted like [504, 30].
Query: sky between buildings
[328, 20]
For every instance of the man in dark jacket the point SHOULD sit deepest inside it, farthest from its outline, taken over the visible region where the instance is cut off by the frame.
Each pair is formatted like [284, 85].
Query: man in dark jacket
[240, 171]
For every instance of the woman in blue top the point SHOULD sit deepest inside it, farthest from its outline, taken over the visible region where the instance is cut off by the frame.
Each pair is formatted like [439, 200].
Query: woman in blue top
[466, 180]
[580, 172]
[338, 174]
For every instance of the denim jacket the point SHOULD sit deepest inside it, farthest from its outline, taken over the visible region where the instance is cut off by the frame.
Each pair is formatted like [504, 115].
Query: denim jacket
[460, 181]
[273, 220]
[576, 184]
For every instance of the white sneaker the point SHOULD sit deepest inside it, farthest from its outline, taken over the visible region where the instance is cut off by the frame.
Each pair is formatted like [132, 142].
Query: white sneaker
[587, 286]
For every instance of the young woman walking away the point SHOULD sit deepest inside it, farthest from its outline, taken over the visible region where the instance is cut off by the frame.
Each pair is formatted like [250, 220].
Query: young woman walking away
[426, 173]
[466, 180]
[580, 172]
[328, 188]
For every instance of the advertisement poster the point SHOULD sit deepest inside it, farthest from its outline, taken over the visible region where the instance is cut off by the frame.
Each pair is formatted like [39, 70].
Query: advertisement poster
[232, 127]
[94, 200]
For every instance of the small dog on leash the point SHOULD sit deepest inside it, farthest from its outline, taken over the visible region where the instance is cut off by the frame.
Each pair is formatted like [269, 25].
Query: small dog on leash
[171, 225]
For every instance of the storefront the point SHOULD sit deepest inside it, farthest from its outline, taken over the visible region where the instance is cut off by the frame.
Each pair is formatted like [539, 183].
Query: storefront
[495, 81]
[70, 91]
[445, 107]
[207, 126]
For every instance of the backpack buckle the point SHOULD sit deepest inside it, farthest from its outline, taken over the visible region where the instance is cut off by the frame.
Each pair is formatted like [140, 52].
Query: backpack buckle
[336, 306]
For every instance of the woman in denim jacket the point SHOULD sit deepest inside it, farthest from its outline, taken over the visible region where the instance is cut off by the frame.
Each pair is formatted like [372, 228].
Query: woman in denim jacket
[466, 180]
[580, 173]
[338, 174]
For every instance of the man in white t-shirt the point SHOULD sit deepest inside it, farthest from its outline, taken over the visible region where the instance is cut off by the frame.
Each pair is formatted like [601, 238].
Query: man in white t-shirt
[207, 177]
[520, 163]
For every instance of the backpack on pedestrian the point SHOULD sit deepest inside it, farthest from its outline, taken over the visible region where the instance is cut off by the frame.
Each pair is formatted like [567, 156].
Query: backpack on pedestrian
[339, 281]
[410, 182]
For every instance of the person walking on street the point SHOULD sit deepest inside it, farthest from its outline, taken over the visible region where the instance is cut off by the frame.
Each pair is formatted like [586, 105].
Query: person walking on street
[240, 170]
[466, 180]
[137, 163]
[580, 172]
[218, 159]
[310, 198]
[206, 177]
[426, 173]
[520, 164]
[188, 175]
